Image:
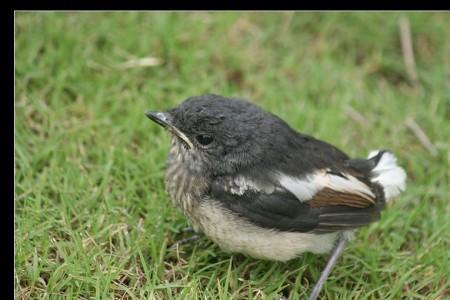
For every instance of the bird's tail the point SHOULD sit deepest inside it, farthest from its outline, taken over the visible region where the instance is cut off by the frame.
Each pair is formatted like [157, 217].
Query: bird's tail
[387, 173]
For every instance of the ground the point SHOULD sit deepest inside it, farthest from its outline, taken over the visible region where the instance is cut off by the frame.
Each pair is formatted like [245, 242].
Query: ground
[92, 220]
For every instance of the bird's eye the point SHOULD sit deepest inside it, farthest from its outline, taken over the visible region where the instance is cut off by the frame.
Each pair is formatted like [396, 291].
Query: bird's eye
[204, 139]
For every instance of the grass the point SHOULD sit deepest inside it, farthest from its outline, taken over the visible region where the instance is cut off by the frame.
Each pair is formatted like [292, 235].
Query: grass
[92, 220]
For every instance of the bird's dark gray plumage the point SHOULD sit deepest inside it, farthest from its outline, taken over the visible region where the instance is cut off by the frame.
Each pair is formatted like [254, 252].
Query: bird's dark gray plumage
[254, 185]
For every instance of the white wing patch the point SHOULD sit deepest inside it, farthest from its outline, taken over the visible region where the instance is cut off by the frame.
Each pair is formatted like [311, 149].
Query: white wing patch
[240, 184]
[305, 188]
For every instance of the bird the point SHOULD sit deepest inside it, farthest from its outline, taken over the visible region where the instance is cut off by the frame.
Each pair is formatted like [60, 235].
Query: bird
[254, 185]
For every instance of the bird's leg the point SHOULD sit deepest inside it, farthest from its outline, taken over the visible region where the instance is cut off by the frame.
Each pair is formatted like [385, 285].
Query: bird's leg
[194, 237]
[335, 253]
[188, 229]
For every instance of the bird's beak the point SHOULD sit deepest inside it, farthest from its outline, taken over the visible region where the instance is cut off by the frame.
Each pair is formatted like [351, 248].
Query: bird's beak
[164, 120]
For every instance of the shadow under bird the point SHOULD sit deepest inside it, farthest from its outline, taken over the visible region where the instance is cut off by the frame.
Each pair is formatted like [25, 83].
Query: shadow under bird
[253, 185]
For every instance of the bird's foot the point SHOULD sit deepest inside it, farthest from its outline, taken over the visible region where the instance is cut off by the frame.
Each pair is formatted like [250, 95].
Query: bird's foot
[195, 236]
[188, 229]
[192, 238]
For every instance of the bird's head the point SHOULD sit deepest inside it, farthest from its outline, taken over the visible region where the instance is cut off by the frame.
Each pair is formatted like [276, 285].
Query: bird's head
[219, 135]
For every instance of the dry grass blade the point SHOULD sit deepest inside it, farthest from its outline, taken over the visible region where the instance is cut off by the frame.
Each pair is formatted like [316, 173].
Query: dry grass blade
[286, 21]
[421, 136]
[407, 49]
[140, 62]
[356, 116]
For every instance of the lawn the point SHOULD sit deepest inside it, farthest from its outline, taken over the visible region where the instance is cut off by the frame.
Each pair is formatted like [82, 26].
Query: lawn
[92, 220]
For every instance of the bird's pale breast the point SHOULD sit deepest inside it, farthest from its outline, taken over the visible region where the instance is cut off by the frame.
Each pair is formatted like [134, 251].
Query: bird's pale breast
[183, 185]
[235, 234]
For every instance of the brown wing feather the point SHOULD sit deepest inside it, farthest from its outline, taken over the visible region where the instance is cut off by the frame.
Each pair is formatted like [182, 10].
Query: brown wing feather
[328, 196]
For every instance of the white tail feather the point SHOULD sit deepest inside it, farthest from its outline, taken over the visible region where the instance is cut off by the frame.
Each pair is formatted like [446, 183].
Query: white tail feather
[388, 174]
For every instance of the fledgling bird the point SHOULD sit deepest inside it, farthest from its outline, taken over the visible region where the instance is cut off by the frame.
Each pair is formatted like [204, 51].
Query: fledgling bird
[252, 184]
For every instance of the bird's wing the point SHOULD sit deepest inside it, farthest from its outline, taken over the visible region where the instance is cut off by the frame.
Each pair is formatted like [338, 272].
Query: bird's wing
[324, 201]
